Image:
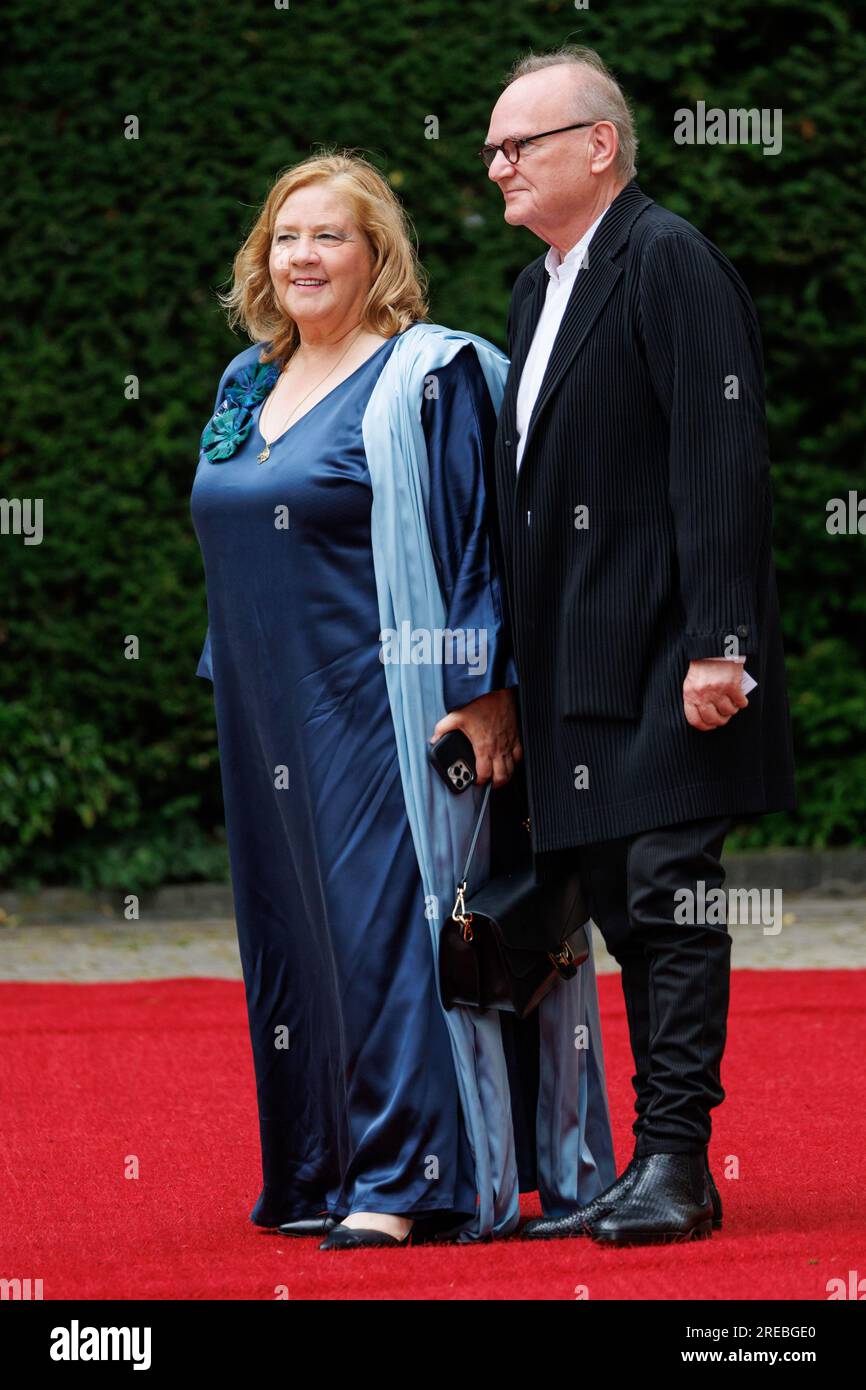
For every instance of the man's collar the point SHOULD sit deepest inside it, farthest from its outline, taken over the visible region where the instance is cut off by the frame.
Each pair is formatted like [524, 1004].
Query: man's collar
[566, 267]
[613, 232]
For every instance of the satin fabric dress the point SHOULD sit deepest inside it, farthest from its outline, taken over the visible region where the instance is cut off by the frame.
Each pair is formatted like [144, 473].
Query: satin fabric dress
[357, 1094]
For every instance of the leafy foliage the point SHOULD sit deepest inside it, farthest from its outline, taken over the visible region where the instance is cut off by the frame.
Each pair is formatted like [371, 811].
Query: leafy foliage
[109, 769]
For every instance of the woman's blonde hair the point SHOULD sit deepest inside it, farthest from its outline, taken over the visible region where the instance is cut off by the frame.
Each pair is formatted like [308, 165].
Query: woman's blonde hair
[397, 296]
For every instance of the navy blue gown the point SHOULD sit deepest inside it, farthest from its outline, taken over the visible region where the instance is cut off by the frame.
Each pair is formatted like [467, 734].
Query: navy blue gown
[357, 1093]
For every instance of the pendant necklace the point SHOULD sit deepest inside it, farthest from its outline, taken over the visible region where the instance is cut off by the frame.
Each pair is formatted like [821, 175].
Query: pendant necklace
[265, 454]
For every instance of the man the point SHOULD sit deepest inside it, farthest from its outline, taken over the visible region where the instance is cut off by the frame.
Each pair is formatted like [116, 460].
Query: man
[634, 513]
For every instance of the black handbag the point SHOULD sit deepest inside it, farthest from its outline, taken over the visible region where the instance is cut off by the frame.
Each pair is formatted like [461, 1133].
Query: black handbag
[505, 946]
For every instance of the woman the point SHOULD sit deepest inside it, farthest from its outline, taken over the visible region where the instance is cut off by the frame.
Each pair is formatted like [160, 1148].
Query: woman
[339, 498]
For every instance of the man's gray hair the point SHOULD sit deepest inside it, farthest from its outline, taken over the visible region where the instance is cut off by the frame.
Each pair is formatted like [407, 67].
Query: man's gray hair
[601, 97]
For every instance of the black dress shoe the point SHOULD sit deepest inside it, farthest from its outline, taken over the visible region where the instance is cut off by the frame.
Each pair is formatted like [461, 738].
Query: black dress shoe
[354, 1237]
[668, 1200]
[308, 1226]
[576, 1222]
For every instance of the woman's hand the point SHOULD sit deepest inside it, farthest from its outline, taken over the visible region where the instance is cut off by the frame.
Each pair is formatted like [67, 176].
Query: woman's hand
[490, 724]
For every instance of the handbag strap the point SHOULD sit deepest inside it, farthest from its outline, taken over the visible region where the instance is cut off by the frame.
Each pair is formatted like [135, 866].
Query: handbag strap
[475, 833]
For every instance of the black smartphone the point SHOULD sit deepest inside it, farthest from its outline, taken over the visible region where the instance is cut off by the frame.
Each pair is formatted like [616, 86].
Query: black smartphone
[454, 759]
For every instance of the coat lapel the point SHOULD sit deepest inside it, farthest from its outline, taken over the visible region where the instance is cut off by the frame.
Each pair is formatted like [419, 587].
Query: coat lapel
[530, 313]
[592, 286]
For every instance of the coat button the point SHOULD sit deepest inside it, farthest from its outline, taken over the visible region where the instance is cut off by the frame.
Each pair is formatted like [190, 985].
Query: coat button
[508, 443]
[742, 631]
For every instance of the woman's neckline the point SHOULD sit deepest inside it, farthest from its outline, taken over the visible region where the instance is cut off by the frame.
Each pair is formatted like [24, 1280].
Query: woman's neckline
[322, 399]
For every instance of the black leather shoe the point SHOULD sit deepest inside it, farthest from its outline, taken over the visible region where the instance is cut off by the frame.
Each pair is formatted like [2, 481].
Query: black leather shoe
[308, 1226]
[576, 1222]
[714, 1197]
[354, 1237]
[668, 1200]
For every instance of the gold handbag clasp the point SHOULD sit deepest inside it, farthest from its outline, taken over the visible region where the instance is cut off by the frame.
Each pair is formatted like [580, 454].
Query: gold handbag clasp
[459, 913]
[564, 957]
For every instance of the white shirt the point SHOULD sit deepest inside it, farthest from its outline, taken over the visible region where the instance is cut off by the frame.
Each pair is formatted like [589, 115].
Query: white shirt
[562, 275]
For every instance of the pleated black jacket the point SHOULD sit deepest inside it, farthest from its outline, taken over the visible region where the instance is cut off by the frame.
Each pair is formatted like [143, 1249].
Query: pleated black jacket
[637, 535]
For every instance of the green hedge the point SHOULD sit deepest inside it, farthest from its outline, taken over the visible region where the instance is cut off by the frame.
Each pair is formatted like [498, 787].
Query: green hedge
[109, 773]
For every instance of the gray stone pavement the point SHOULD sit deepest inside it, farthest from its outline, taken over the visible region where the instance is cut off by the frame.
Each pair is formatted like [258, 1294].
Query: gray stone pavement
[816, 933]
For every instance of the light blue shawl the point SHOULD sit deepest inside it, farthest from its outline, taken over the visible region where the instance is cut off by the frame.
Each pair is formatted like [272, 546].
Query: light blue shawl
[575, 1150]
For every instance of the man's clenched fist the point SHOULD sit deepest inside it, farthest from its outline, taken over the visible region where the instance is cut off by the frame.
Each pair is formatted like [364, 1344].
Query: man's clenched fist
[712, 692]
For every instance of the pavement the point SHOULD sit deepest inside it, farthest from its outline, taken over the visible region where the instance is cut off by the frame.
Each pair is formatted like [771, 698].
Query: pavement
[809, 933]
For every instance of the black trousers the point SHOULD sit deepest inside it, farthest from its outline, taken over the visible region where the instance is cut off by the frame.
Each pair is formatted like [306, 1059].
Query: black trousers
[675, 974]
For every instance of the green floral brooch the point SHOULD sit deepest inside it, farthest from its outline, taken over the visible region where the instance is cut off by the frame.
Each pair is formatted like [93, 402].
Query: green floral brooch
[230, 424]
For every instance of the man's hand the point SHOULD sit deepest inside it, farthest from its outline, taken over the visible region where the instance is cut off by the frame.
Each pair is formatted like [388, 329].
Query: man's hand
[490, 724]
[712, 692]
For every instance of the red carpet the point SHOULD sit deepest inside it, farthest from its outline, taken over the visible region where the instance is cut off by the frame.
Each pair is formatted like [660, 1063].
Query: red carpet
[91, 1074]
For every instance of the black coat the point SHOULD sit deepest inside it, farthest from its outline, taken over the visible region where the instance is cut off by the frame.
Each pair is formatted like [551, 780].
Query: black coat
[637, 421]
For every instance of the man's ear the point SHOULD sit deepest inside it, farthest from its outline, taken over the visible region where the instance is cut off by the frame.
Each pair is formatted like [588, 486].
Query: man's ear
[604, 144]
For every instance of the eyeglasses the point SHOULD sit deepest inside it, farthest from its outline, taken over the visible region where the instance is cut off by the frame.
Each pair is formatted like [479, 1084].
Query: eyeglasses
[511, 148]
